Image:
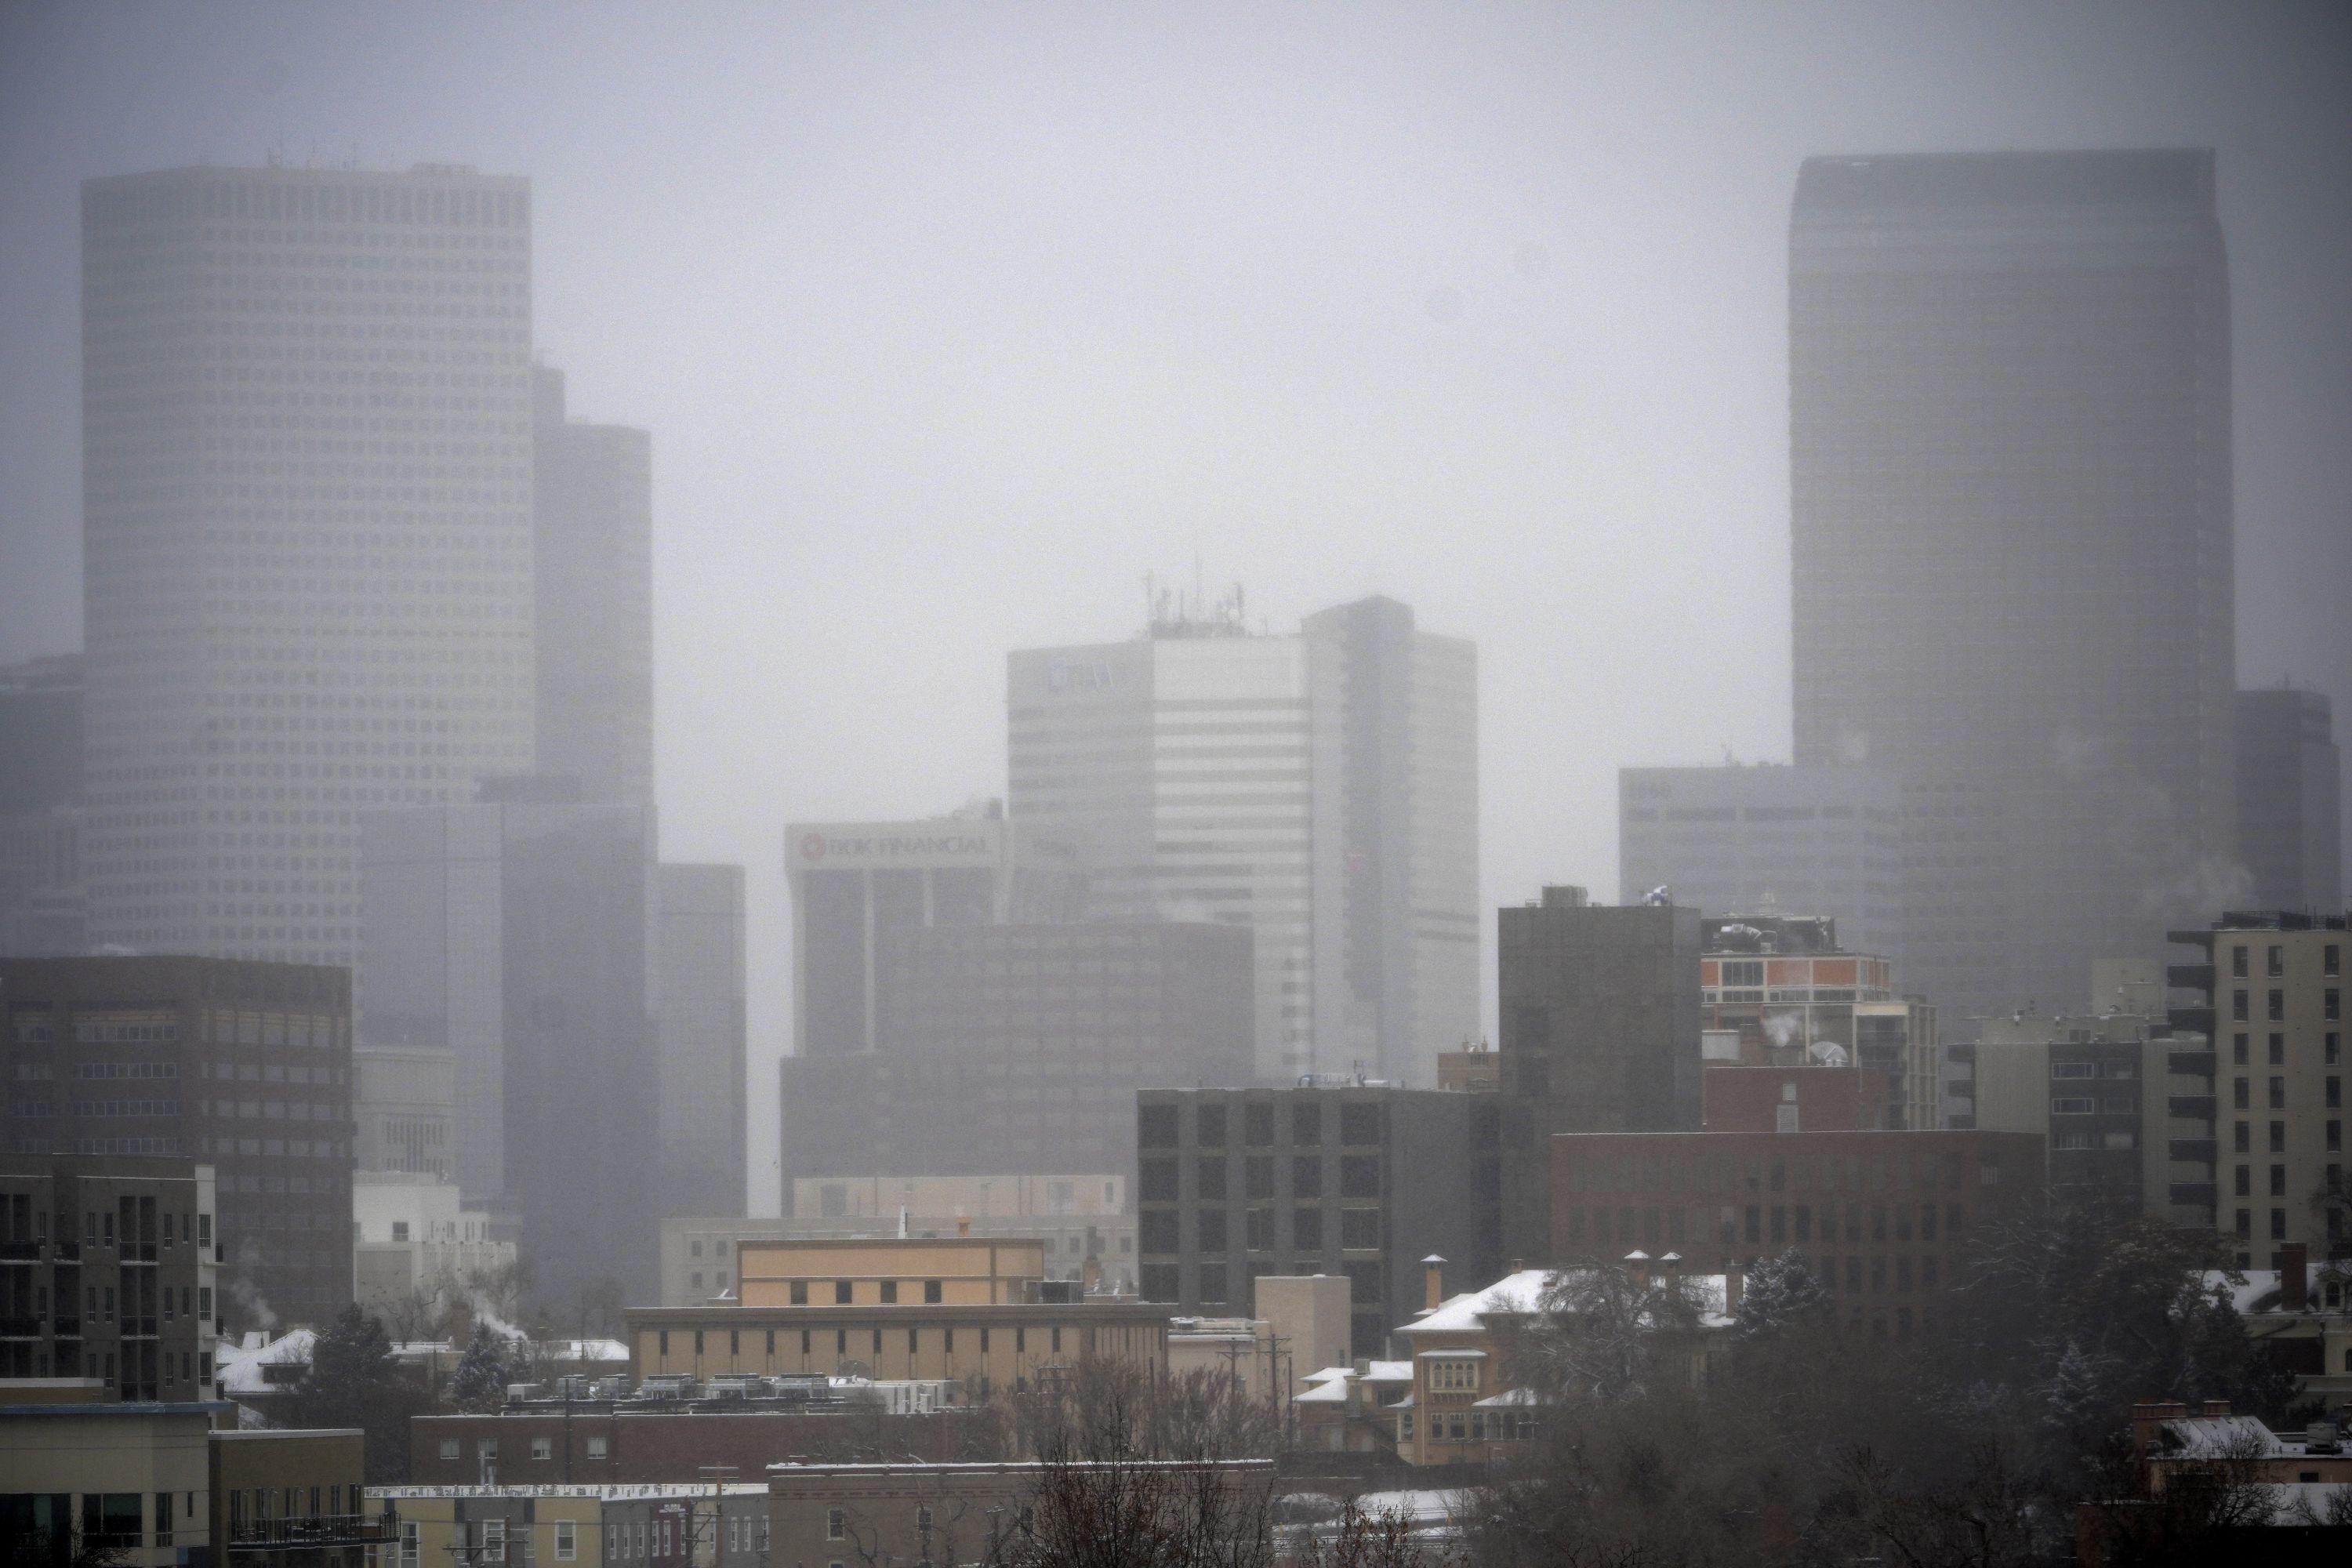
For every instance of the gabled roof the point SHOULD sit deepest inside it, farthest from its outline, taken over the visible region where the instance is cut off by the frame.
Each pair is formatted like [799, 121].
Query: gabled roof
[1517, 1295]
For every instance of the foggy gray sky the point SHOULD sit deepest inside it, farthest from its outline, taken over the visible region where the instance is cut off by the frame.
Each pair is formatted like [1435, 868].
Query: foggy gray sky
[951, 323]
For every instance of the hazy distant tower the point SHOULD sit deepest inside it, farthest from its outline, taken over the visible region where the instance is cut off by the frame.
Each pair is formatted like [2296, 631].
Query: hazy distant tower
[593, 511]
[2009, 425]
[2290, 778]
[1320, 788]
[308, 502]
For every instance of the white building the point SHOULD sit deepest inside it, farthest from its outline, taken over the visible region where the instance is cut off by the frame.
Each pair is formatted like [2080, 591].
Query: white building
[1320, 788]
[307, 525]
[412, 1235]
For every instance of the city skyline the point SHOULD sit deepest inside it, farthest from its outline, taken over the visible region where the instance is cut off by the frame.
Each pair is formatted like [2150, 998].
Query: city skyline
[1499, 317]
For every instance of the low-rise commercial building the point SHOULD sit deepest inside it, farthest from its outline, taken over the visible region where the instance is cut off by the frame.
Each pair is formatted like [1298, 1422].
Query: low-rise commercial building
[976, 1310]
[1359, 1181]
[108, 1271]
[711, 1523]
[1882, 1215]
[828, 1514]
[1081, 1221]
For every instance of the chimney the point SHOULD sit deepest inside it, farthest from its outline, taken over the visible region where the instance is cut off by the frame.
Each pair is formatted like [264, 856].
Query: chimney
[1637, 1264]
[2295, 1276]
[1734, 1283]
[2215, 1407]
[1432, 1282]
[1090, 1277]
[461, 1324]
[963, 1225]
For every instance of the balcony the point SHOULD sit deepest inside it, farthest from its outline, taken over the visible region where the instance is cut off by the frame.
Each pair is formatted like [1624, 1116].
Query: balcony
[2191, 1107]
[67, 1252]
[20, 1251]
[138, 1252]
[2189, 977]
[2194, 1151]
[138, 1328]
[68, 1328]
[2191, 1020]
[20, 1328]
[2190, 1064]
[317, 1530]
[2193, 1194]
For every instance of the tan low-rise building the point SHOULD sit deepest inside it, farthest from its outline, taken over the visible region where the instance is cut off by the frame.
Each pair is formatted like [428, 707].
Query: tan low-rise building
[976, 1310]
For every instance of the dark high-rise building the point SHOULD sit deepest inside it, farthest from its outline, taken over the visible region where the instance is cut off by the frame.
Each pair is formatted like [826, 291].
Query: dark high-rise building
[44, 911]
[699, 1038]
[2289, 780]
[2009, 426]
[1360, 1179]
[1600, 1023]
[592, 570]
[307, 521]
[517, 935]
[1006, 1049]
[244, 1066]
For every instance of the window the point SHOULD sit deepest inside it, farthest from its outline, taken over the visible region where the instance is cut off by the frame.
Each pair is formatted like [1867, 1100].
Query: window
[2278, 1137]
[2241, 1139]
[1258, 1177]
[449, 1448]
[2331, 959]
[542, 1448]
[1360, 1122]
[1306, 1229]
[2275, 960]
[841, 1292]
[1155, 1126]
[409, 1543]
[1359, 1230]
[1306, 1123]
[932, 1293]
[1212, 1231]
[2278, 1181]
[799, 1293]
[400, 1230]
[2276, 1009]
[2237, 963]
[1306, 1176]
[889, 1292]
[1209, 1177]
[1257, 1124]
[2278, 1093]
[1158, 1180]
[1258, 1230]
[1212, 1284]
[567, 1540]
[596, 1449]
[1210, 1122]
[2238, 1050]
[494, 1539]
[2241, 1094]
[2238, 1011]
[2278, 1050]
[2245, 1182]
[1359, 1174]
[835, 1523]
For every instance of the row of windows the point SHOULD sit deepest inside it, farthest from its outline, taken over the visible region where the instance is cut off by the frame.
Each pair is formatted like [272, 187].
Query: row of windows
[1156, 1125]
[1358, 1231]
[841, 1339]
[2331, 1006]
[2331, 961]
[1605, 1229]
[1359, 1177]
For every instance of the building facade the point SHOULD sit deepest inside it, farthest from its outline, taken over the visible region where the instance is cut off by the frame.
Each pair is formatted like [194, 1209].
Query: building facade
[1600, 1027]
[1082, 1223]
[1319, 790]
[2011, 492]
[699, 1038]
[405, 1104]
[108, 1273]
[2290, 784]
[2268, 989]
[1358, 1180]
[1767, 838]
[44, 907]
[856, 885]
[592, 524]
[242, 1066]
[413, 1241]
[1881, 1216]
[1001, 1046]
[517, 935]
[2124, 1104]
[303, 596]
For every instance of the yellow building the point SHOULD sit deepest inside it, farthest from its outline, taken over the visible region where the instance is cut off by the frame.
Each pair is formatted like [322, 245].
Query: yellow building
[975, 1310]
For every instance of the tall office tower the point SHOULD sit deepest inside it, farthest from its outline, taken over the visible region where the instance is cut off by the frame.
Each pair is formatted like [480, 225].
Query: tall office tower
[1600, 1034]
[854, 883]
[592, 510]
[2009, 425]
[2289, 780]
[698, 1025]
[306, 443]
[1319, 788]
[243, 1067]
[2269, 994]
[43, 911]
[1755, 840]
[1001, 1048]
[517, 934]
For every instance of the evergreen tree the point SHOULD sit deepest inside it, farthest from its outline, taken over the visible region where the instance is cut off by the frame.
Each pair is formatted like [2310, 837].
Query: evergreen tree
[1781, 1291]
[482, 1376]
[354, 1382]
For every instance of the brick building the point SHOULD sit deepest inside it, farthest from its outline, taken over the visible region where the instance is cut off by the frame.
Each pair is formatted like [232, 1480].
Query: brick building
[659, 1442]
[1882, 1215]
[1795, 1099]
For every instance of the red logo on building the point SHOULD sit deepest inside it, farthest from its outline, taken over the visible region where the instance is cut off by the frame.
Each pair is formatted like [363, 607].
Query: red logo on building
[812, 846]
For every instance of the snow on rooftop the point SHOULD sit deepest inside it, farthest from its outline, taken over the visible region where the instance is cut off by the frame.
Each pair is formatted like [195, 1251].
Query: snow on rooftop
[1519, 1294]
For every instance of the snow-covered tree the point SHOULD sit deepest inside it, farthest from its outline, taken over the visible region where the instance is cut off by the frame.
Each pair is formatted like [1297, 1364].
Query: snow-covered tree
[1780, 1290]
